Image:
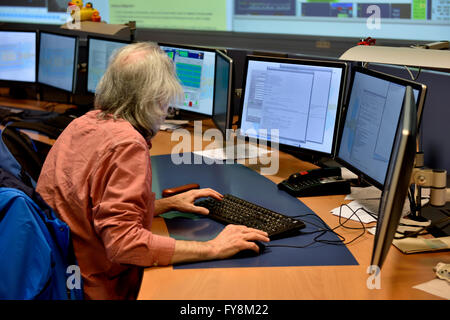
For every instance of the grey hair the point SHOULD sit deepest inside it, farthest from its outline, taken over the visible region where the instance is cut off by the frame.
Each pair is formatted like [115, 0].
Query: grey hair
[138, 86]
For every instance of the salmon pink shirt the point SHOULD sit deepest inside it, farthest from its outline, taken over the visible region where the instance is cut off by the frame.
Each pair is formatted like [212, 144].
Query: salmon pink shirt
[98, 177]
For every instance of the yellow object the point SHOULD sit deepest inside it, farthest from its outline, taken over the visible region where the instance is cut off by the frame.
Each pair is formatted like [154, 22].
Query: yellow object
[87, 13]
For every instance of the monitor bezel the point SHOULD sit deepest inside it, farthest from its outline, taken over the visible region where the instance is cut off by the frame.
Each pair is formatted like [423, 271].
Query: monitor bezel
[198, 48]
[88, 45]
[415, 85]
[229, 115]
[75, 62]
[343, 65]
[36, 59]
[398, 178]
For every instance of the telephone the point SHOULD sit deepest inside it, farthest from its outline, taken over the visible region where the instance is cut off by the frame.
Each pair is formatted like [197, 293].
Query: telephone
[316, 182]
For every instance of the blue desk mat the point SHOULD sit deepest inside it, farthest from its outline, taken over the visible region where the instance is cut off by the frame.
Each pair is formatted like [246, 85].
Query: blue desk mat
[245, 183]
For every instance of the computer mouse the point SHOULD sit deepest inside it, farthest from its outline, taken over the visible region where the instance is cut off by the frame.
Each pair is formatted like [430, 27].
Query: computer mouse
[247, 253]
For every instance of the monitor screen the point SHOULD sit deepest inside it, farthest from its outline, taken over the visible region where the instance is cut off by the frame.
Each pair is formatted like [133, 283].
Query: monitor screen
[397, 182]
[58, 60]
[370, 122]
[195, 70]
[222, 113]
[99, 52]
[300, 98]
[18, 56]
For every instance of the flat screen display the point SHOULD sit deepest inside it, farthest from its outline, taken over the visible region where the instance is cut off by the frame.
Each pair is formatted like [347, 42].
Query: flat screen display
[100, 50]
[18, 56]
[299, 98]
[195, 69]
[370, 123]
[58, 60]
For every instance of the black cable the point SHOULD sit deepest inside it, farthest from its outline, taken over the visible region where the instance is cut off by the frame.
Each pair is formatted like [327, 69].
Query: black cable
[324, 229]
[414, 78]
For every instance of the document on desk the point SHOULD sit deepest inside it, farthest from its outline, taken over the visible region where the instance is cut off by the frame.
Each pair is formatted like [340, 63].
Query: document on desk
[364, 193]
[437, 287]
[368, 199]
[222, 154]
[357, 210]
[170, 125]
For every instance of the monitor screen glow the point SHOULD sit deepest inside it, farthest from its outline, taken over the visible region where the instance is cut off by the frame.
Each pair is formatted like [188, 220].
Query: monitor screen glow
[370, 123]
[100, 51]
[300, 98]
[57, 61]
[195, 70]
[18, 56]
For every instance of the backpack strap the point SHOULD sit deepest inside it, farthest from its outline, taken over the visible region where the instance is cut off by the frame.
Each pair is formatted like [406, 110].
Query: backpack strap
[21, 147]
[48, 130]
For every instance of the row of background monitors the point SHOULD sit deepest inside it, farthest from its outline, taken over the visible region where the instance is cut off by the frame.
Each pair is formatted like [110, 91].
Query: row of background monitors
[303, 99]
[52, 59]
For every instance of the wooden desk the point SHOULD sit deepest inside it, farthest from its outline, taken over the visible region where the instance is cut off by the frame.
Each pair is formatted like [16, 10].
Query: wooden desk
[399, 273]
[35, 104]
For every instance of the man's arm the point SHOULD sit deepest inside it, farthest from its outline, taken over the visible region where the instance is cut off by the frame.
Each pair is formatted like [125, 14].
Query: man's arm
[230, 241]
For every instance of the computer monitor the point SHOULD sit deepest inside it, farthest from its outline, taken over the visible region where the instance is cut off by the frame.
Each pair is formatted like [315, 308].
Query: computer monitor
[58, 59]
[370, 121]
[99, 53]
[18, 56]
[301, 98]
[222, 112]
[195, 69]
[397, 181]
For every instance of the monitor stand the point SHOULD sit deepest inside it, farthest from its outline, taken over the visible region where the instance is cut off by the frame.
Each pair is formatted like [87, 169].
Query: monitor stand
[325, 162]
[322, 162]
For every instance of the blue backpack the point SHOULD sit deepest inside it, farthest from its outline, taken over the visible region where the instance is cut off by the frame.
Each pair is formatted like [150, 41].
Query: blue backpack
[35, 249]
[38, 260]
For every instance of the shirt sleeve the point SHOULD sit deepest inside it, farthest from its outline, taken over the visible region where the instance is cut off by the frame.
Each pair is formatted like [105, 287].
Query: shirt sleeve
[123, 203]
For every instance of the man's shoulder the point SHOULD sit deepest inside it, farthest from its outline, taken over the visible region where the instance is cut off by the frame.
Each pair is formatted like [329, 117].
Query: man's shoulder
[107, 130]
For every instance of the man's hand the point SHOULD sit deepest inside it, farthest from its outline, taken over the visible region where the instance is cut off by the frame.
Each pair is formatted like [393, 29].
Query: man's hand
[184, 202]
[234, 238]
[229, 241]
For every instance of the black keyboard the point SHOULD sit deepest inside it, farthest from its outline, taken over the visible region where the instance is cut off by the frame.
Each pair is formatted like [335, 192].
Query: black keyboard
[233, 210]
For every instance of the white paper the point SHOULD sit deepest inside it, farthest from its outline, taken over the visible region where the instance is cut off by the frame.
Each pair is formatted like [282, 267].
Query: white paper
[347, 174]
[437, 287]
[348, 211]
[169, 126]
[364, 193]
[220, 153]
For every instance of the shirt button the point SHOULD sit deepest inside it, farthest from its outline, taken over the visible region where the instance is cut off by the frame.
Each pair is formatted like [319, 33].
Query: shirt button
[155, 264]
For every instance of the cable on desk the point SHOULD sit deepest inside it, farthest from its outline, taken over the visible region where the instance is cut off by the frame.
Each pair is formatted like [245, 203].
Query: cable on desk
[324, 229]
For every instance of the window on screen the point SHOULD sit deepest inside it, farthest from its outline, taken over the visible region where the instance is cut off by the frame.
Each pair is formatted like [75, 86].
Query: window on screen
[18, 56]
[57, 58]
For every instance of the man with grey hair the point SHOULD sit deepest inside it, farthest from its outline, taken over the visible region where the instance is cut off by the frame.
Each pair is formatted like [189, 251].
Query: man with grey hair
[97, 176]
